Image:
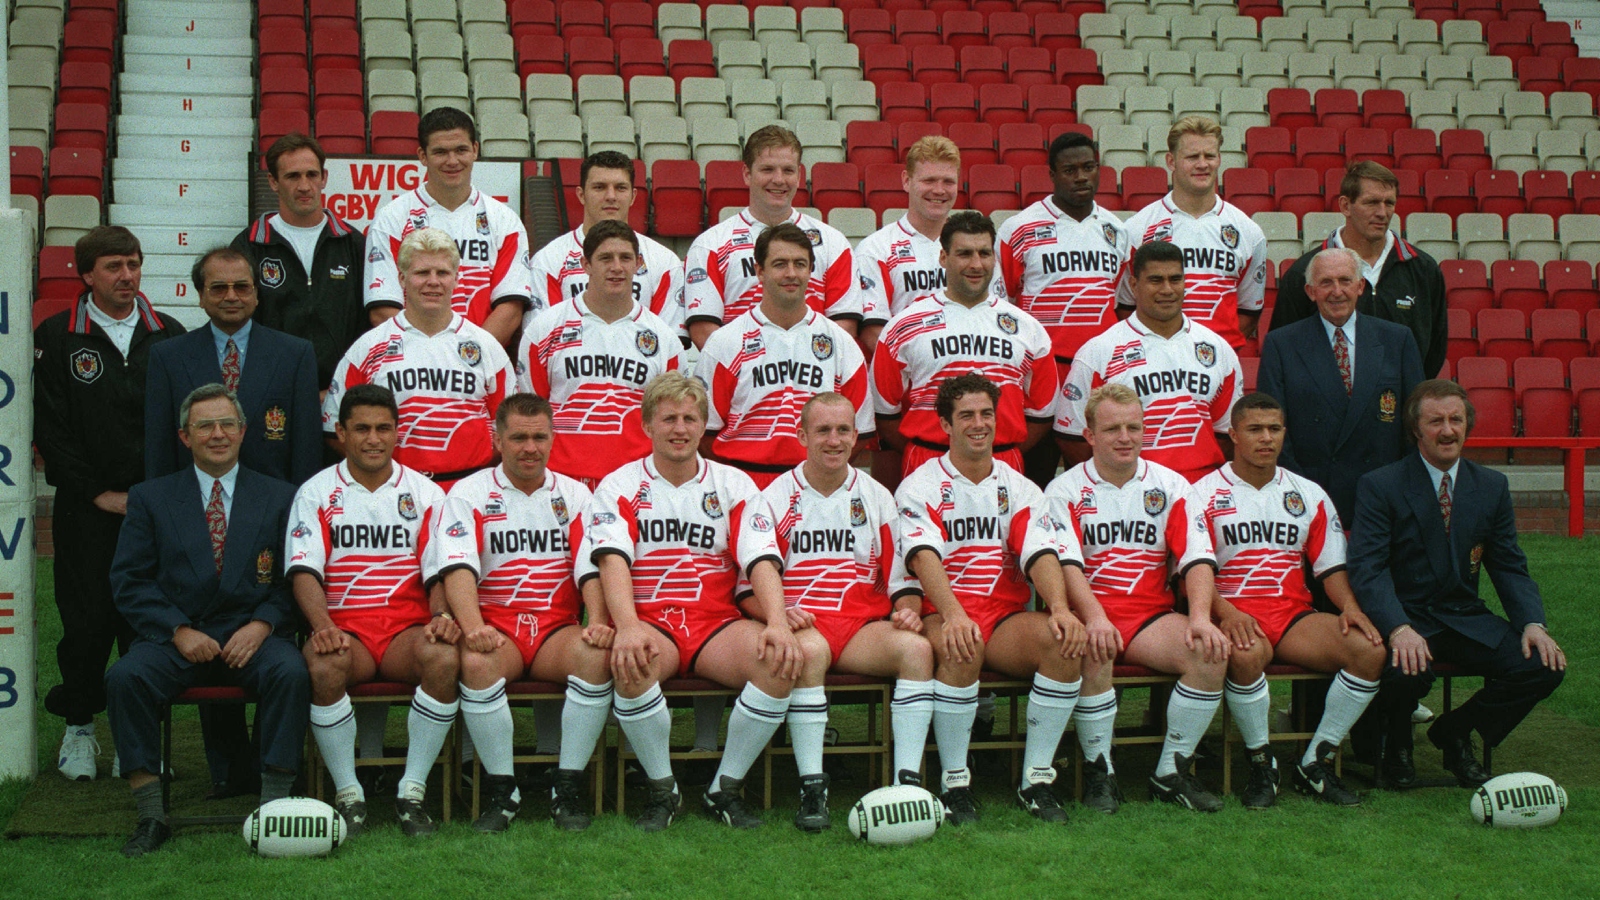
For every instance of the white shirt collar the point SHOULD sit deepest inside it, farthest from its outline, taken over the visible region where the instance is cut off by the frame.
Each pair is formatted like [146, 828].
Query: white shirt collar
[1349, 328]
[228, 479]
[1437, 475]
[1370, 272]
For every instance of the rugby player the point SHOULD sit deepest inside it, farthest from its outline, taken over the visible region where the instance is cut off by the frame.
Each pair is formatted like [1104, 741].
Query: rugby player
[558, 273]
[506, 544]
[494, 289]
[1138, 521]
[900, 261]
[669, 536]
[447, 374]
[762, 367]
[1186, 375]
[721, 282]
[836, 530]
[962, 328]
[978, 536]
[359, 560]
[1267, 523]
[1224, 251]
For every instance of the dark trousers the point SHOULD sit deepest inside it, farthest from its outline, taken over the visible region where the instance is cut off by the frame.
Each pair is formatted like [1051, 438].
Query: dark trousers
[142, 684]
[1511, 684]
[85, 541]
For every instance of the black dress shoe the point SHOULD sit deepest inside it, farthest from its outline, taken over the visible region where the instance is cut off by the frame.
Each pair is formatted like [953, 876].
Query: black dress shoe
[147, 838]
[1460, 758]
[1399, 769]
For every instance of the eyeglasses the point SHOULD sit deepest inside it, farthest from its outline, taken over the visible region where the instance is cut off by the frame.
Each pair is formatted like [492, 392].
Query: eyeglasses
[206, 426]
[219, 289]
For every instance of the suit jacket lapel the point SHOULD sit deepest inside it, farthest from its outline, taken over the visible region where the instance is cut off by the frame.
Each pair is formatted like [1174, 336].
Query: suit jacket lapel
[1317, 356]
[206, 367]
[1430, 521]
[1363, 396]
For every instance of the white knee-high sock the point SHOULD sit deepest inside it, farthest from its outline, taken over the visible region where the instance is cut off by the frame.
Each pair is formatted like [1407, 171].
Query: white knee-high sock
[954, 708]
[1249, 706]
[808, 727]
[488, 719]
[372, 719]
[648, 725]
[1348, 698]
[1096, 716]
[1189, 713]
[583, 717]
[756, 716]
[910, 715]
[1050, 706]
[426, 728]
[334, 727]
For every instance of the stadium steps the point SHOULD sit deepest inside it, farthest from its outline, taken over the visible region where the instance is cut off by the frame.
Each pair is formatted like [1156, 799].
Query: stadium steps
[179, 172]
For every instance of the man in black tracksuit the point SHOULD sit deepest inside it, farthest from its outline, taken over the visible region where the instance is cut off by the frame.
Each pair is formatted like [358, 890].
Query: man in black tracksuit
[308, 262]
[1409, 287]
[89, 386]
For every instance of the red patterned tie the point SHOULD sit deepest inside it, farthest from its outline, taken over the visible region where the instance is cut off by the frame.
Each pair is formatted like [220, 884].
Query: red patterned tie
[1444, 500]
[1341, 355]
[217, 522]
[230, 366]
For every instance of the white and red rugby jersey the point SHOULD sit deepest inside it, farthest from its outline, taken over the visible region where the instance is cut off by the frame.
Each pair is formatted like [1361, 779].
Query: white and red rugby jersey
[1135, 538]
[368, 548]
[760, 374]
[492, 241]
[720, 282]
[1188, 384]
[1224, 261]
[838, 550]
[593, 372]
[522, 548]
[895, 265]
[687, 545]
[557, 275]
[1063, 272]
[1263, 537]
[447, 386]
[987, 534]
[936, 338]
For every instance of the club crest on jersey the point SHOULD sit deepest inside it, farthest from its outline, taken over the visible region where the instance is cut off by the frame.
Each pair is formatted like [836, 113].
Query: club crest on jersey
[903, 251]
[571, 335]
[711, 504]
[1086, 502]
[86, 366]
[483, 222]
[1205, 353]
[1109, 231]
[1044, 233]
[1155, 500]
[1002, 498]
[741, 238]
[821, 346]
[1162, 232]
[276, 422]
[1386, 406]
[558, 506]
[815, 237]
[1475, 559]
[392, 349]
[752, 343]
[471, 353]
[416, 219]
[571, 264]
[271, 272]
[946, 495]
[1007, 322]
[858, 511]
[301, 530]
[1293, 504]
[1222, 502]
[456, 529]
[495, 507]
[1074, 393]
[761, 523]
[407, 507]
[647, 342]
[264, 567]
[696, 276]
[1230, 236]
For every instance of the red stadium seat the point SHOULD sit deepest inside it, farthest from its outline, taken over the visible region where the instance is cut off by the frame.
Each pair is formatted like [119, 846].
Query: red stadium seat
[1338, 108]
[1269, 147]
[883, 188]
[280, 13]
[1385, 109]
[1318, 148]
[58, 274]
[1546, 412]
[80, 125]
[1290, 108]
[1449, 191]
[582, 18]
[1586, 191]
[1537, 372]
[1022, 144]
[336, 49]
[394, 133]
[1538, 73]
[725, 185]
[1298, 190]
[85, 82]
[280, 122]
[333, 15]
[1055, 31]
[640, 56]
[975, 140]
[1364, 143]
[1510, 39]
[1245, 182]
[591, 55]
[631, 20]
[1571, 285]
[1498, 192]
[281, 48]
[1584, 373]
[934, 64]
[1417, 149]
[1464, 273]
[340, 89]
[77, 170]
[1037, 184]
[1009, 30]
[1558, 334]
[1076, 67]
[870, 142]
[1142, 186]
[1548, 192]
[1249, 366]
[538, 54]
[887, 64]
[916, 28]
[1503, 333]
[1106, 192]
[962, 29]
[1507, 274]
[1553, 40]
[342, 132]
[1463, 150]
[870, 27]
[1028, 66]
[1460, 343]
[93, 11]
[1496, 412]
[679, 203]
[1048, 104]
[691, 59]
[27, 172]
[834, 185]
[908, 133]
[952, 103]
[983, 65]
[92, 42]
[1482, 371]
[903, 102]
[1003, 104]
[993, 187]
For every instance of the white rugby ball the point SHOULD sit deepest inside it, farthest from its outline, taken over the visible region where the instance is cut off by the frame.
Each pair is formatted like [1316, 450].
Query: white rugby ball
[1518, 800]
[294, 826]
[898, 814]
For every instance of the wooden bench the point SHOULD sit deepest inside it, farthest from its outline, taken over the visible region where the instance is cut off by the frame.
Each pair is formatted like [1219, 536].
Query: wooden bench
[529, 692]
[388, 692]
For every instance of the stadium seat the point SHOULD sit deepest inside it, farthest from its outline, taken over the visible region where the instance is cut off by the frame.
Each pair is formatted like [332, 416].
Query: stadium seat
[1496, 411]
[882, 187]
[1532, 372]
[1482, 371]
[85, 82]
[952, 103]
[678, 203]
[1143, 185]
[281, 48]
[1571, 285]
[916, 28]
[1048, 105]
[1022, 144]
[908, 133]
[87, 41]
[836, 185]
[1037, 184]
[1558, 334]
[1463, 150]
[983, 65]
[1318, 148]
[68, 217]
[1497, 191]
[80, 125]
[992, 187]
[1076, 67]
[394, 133]
[1008, 30]
[73, 170]
[976, 141]
[591, 55]
[1298, 191]
[1503, 333]
[1028, 66]
[1417, 149]
[903, 102]
[1055, 31]
[1372, 144]
[1460, 343]
[1585, 374]
[1270, 148]
[690, 59]
[342, 132]
[341, 89]
[1546, 412]
[286, 89]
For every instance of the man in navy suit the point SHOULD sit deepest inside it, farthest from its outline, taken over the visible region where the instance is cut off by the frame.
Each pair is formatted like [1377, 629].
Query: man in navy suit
[198, 574]
[1425, 527]
[1341, 377]
[273, 374]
